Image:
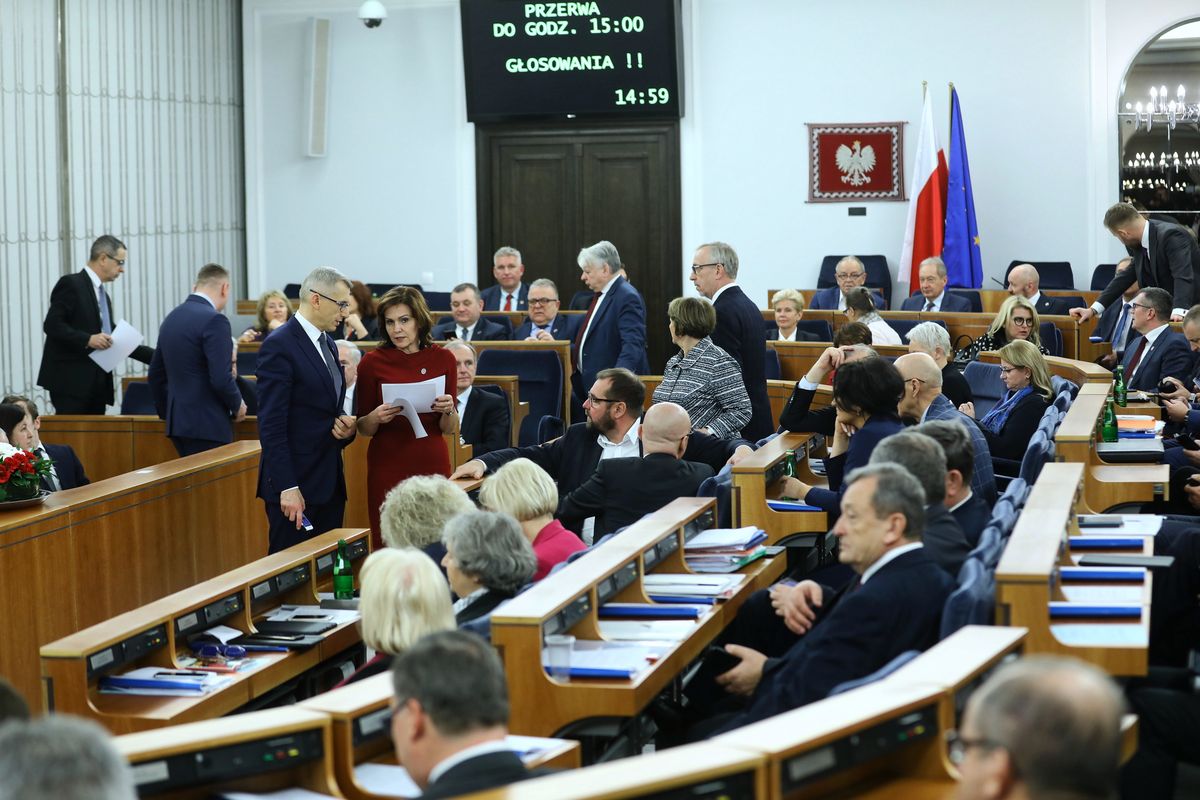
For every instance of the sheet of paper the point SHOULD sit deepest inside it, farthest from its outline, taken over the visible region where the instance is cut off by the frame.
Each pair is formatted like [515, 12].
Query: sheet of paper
[694, 585]
[1141, 524]
[530, 747]
[283, 794]
[601, 655]
[725, 537]
[650, 630]
[125, 339]
[1101, 635]
[222, 633]
[337, 616]
[388, 780]
[1104, 594]
[413, 399]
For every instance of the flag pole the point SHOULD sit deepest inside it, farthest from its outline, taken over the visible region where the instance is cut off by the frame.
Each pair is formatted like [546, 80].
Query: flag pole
[950, 116]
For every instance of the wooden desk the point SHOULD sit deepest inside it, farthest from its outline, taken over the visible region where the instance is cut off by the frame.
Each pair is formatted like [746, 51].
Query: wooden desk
[797, 358]
[361, 715]
[155, 635]
[755, 480]
[1106, 485]
[1079, 373]
[567, 602]
[276, 749]
[90, 553]
[1028, 579]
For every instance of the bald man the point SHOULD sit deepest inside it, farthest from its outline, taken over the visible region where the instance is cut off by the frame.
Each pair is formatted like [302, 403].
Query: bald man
[1041, 727]
[1024, 280]
[923, 401]
[622, 490]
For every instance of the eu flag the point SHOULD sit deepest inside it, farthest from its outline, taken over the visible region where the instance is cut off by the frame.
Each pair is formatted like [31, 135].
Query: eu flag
[964, 265]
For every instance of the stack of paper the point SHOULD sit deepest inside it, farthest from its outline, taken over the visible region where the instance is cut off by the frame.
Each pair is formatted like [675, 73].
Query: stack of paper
[667, 588]
[163, 681]
[650, 630]
[790, 505]
[593, 659]
[1136, 426]
[724, 549]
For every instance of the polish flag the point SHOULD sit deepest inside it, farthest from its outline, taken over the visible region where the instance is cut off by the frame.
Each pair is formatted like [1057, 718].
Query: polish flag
[926, 201]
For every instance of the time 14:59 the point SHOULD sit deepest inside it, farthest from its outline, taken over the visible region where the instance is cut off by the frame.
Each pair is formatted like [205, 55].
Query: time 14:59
[641, 97]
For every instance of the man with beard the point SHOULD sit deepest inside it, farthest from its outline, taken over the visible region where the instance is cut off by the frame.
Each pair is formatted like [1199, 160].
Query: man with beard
[614, 408]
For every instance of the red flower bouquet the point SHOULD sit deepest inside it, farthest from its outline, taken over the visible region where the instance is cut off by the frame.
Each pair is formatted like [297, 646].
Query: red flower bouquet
[21, 473]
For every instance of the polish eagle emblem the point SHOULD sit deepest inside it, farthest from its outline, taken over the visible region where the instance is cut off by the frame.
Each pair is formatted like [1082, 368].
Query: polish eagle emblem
[856, 163]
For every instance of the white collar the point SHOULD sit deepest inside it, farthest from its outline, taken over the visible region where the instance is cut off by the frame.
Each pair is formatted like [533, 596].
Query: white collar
[610, 283]
[962, 502]
[631, 435]
[463, 602]
[462, 398]
[1146, 236]
[791, 337]
[207, 298]
[95, 278]
[470, 328]
[481, 749]
[1036, 296]
[718, 292]
[311, 330]
[1153, 335]
[890, 555]
[937, 301]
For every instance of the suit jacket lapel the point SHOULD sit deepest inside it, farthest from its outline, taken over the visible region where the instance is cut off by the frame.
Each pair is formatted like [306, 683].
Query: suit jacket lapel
[314, 359]
[88, 291]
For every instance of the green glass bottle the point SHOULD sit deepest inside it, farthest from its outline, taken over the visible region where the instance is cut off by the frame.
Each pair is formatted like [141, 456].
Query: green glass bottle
[1109, 431]
[1119, 394]
[789, 464]
[343, 574]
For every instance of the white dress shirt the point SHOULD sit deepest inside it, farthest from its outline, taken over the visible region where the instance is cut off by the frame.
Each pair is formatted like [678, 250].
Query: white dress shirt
[314, 336]
[718, 292]
[458, 331]
[207, 299]
[937, 302]
[628, 447]
[791, 337]
[595, 312]
[890, 555]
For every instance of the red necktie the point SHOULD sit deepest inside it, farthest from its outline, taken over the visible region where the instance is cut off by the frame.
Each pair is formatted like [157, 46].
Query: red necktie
[1133, 362]
[583, 328]
[508, 302]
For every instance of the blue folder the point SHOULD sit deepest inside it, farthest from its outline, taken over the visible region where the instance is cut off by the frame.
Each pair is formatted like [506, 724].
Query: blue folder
[1076, 574]
[681, 598]
[1106, 543]
[1060, 610]
[790, 505]
[117, 682]
[593, 672]
[637, 610]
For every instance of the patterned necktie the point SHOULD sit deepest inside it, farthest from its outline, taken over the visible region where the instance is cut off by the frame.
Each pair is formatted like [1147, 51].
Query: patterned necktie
[105, 312]
[52, 478]
[464, 336]
[507, 302]
[929, 305]
[335, 374]
[1137, 357]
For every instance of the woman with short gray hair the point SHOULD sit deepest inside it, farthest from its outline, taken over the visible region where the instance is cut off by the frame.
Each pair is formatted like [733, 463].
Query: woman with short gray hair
[934, 340]
[488, 560]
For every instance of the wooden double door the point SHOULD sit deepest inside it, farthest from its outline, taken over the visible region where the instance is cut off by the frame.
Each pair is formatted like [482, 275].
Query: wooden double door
[550, 190]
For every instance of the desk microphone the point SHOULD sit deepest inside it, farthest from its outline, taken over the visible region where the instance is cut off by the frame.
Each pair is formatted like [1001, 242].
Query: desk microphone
[1003, 286]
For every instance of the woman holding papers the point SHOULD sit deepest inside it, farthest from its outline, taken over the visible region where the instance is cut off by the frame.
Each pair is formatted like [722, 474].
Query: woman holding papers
[1010, 425]
[406, 435]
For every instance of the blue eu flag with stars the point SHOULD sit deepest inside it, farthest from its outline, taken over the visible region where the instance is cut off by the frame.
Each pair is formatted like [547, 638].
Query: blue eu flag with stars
[964, 265]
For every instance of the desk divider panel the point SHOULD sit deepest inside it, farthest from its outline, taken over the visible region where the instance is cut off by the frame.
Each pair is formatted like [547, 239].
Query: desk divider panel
[755, 480]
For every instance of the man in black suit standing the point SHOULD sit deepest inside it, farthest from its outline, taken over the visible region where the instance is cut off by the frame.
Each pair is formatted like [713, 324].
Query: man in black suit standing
[467, 323]
[544, 323]
[933, 297]
[623, 490]
[739, 331]
[1164, 255]
[449, 725]
[485, 423]
[510, 293]
[81, 319]
[66, 471]
[1024, 280]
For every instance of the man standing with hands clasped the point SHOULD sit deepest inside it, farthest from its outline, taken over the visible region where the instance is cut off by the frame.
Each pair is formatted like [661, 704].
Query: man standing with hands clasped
[301, 424]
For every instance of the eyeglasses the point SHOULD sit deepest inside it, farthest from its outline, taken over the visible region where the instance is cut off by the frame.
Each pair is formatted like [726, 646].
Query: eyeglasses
[597, 400]
[1022, 322]
[541, 301]
[120, 262]
[1007, 370]
[1138, 305]
[697, 267]
[344, 305]
[845, 276]
[957, 746]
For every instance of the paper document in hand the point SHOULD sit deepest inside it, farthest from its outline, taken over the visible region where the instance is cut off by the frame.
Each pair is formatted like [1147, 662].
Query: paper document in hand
[125, 339]
[413, 399]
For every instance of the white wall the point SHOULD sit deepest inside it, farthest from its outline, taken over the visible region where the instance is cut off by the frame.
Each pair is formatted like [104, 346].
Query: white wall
[1038, 83]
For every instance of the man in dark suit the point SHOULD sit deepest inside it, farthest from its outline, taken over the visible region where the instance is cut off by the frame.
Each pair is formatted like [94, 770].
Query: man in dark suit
[623, 490]
[969, 510]
[848, 273]
[1114, 324]
[611, 431]
[1024, 280]
[739, 330]
[66, 471]
[544, 323]
[933, 297]
[613, 333]
[509, 293]
[449, 725]
[892, 605]
[81, 319]
[466, 322]
[190, 375]
[301, 424]
[485, 423]
[1157, 351]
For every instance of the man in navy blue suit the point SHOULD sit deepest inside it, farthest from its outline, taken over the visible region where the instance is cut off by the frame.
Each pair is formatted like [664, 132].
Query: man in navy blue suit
[467, 323]
[1157, 351]
[613, 333]
[66, 471]
[894, 604]
[301, 424]
[544, 322]
[848, 273]
[739, 330]
[191, 376]
[931, 273]
[510, 293]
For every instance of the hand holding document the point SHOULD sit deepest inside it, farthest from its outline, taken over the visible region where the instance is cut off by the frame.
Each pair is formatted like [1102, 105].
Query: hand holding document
[125, 339]
[413, 399]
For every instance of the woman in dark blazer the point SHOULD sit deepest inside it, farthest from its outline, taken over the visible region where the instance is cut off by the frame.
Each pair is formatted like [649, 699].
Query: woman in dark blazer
[488, 560]
[1011, 424]
[865, 394]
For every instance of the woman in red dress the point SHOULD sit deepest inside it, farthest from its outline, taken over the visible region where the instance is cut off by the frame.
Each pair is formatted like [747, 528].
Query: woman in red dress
[406, 354]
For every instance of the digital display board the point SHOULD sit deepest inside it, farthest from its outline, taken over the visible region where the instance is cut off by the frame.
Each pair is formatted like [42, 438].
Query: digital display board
[608, 58]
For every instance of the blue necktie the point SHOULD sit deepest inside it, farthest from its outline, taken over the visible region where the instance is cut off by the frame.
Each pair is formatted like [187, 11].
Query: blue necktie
[105, 314]
[1116, 331]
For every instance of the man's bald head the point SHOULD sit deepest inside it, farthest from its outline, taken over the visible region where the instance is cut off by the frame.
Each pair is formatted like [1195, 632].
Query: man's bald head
[664, 429]
[1023, 280]
[920, 366]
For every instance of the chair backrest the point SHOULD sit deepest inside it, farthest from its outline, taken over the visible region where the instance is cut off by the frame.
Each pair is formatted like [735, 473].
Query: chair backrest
[771, 368]
[247, 362]
[291, 290]
[723, 491]
[581, 300]
[1051, 274]
[1102, 275]
[503, 321]
[539, 383]
[437, 301]
[903, 326]
[989, 548]
[380, 289]
[878, 274]
[879, 674]
[1051, 337]
[973, 602]
[986, 388]
[1036, 455]
[973, 297]
[491, 388]
[1070, 300]
[1065, 392]
[137, 399]
[820, 327]
[549, 427]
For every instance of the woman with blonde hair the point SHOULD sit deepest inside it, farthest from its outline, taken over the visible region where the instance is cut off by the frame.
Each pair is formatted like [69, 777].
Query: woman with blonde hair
[1017, 320]
[273, 310]
[1010, 425]
[404, 596]
[526, 493]
[789, 310]
[415, 511]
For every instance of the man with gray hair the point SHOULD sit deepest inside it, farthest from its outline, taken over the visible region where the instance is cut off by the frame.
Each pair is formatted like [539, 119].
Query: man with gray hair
[302, 424]
[61, 757]
[509, 293]
[1042, 727]
[1024, 281]
[544, 323]
[348, 356]
[934, 340]
[613, 332]
[848, 273]
[967, 508]
[893, 604]
[739, 330]
[933, 297]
